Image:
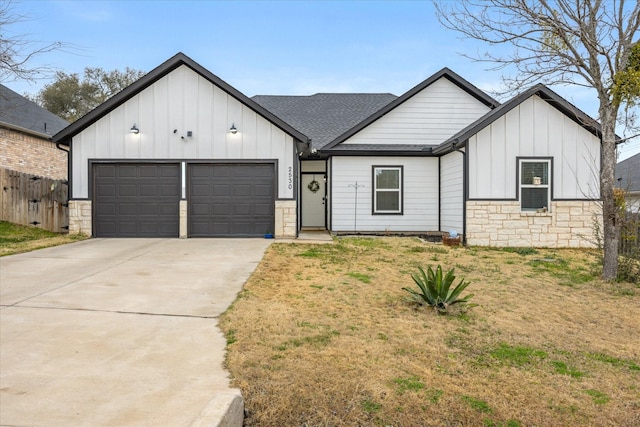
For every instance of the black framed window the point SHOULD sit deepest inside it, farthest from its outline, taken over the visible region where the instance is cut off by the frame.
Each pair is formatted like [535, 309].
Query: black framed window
[387, 189]
[535, 184]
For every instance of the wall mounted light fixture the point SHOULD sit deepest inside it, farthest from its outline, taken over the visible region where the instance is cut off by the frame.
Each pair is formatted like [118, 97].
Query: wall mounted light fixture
[134, 129]
[233, 129]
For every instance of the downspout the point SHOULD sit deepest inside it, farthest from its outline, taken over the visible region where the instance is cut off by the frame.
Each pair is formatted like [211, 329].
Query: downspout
[58, 146]
[464, 190]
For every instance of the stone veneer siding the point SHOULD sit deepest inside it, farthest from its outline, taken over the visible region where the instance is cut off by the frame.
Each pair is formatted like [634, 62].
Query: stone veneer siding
[184, 221]
[569, 224]
[26, 153]
[286, 219]
[80, 217]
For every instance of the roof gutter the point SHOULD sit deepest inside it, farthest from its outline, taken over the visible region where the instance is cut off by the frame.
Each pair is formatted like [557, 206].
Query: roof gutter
[27, 131]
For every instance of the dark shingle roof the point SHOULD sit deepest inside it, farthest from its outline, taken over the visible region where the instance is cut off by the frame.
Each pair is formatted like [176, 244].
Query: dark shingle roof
[17, 112]
[324, 116]
[628, 174]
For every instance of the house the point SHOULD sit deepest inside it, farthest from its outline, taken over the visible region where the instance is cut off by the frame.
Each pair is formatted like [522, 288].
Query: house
[25, 137]
[182, 153]
[628, 178]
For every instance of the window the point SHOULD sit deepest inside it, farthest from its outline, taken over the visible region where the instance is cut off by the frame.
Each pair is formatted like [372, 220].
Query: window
[535, 185]
[387, 189]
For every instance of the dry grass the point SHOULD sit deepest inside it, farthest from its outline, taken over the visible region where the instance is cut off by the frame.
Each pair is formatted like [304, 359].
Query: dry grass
[324, 336]
[15, 239]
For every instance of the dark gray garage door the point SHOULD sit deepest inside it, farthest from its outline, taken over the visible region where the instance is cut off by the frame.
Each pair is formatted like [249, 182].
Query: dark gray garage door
[231, 200]
[136, 200]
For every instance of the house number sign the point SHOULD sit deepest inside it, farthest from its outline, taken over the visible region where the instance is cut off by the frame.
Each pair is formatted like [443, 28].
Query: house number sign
[290, 186]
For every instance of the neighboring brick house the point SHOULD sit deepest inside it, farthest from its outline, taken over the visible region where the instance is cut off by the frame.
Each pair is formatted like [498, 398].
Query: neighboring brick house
[25, 137]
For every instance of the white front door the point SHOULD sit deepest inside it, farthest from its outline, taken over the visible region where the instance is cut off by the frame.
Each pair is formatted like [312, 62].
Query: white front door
[313, 194]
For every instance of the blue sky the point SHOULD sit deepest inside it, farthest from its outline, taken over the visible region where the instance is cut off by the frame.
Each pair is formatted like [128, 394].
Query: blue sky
[266, 47]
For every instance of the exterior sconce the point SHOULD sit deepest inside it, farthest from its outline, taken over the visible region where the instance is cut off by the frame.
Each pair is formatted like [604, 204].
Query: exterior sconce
[233, 129]
[134, 129]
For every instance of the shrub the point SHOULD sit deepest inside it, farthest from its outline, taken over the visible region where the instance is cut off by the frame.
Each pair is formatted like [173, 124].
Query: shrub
[435, 289]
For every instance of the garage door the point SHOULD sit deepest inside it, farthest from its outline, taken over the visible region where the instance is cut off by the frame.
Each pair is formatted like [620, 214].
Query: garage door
[136, 200]
[232, 200]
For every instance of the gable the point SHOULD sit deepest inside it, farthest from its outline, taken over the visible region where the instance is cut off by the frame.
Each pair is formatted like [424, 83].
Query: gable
[178, 60]
[536, 129]
[428, 117]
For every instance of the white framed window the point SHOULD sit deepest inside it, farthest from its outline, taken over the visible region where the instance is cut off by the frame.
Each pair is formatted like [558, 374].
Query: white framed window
[387, 190]
[535, 185]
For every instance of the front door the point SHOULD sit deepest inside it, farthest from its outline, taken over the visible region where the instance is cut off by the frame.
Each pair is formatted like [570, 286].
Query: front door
[313, 197]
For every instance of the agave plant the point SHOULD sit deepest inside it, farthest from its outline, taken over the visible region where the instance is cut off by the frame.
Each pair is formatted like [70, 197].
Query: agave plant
[435, 289]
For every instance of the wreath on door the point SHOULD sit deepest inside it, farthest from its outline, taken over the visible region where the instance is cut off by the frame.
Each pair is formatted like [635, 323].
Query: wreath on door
[314, 186]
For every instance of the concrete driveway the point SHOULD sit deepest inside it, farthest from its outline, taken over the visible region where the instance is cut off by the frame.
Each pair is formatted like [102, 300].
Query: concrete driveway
[108, 332]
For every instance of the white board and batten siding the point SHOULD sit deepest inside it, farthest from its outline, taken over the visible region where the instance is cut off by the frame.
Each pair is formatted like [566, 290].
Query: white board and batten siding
[420, 195]
[429, 117]
[534, 129]
[452, 192]
[183, 101]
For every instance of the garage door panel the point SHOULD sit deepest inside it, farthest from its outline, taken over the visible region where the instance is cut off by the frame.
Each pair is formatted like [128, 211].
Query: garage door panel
[242, 209]
[221, 190]
[263, 209]
[263, 172]
[242, 190]
[239, 204]
[136, 200]
[106, 209]
[148, 190]
[200, 190]
[221, 210]
[106, 190]
[167, 190]
[126, 171]
[126, 190]
[262, 190]
[199, 209]
[148, 209]
[220, 171]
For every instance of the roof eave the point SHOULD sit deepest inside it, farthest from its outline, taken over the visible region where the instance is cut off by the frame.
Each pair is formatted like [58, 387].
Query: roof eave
[25, 130]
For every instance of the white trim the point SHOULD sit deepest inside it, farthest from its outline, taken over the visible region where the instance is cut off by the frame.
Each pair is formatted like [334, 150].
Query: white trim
[376, 190]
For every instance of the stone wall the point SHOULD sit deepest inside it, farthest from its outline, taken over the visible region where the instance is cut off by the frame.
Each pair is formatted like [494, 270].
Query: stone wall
[501, 223]
[286, 215]
[80, 217]
[184, 222]
[26, 153]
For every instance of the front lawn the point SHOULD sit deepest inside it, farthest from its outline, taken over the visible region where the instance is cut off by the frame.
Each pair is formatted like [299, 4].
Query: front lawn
[15, 239]
[325, 335]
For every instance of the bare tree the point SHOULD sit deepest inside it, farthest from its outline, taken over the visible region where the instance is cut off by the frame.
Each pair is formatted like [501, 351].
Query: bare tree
[17, 51]
[578, 42]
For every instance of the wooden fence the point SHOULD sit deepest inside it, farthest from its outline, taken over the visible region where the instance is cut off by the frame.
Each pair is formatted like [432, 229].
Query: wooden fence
[34, 201]
[630, 235]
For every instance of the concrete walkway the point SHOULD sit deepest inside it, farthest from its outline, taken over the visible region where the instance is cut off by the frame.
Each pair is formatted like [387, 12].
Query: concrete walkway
[119, 332]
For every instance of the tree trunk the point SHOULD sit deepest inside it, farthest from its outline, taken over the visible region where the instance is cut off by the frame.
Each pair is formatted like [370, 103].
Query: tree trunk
[610, 222]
